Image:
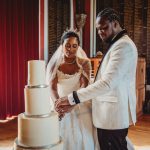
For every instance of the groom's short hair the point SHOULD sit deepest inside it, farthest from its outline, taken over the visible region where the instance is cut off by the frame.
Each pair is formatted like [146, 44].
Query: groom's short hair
[110, 14]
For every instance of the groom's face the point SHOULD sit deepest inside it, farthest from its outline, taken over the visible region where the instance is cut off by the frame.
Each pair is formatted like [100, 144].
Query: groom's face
[70, 47]
[105, 28]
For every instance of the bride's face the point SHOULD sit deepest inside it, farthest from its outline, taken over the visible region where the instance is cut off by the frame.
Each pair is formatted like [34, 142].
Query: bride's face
[70, 47]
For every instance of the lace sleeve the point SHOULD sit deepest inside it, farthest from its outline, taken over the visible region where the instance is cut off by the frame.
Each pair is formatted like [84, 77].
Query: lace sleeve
[85, 64]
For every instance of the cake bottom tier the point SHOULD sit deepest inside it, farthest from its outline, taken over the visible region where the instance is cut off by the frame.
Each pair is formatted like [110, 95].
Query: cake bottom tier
[38, 131]
[57, 146]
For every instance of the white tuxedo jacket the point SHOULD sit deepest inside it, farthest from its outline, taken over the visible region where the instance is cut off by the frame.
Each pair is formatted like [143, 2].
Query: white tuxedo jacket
[113, 93]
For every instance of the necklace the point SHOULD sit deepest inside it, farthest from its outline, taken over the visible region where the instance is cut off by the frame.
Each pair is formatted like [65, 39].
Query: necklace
[69, 63]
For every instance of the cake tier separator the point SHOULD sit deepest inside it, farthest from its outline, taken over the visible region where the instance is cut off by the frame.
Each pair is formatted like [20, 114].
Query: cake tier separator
[40, 116]
[37, 86]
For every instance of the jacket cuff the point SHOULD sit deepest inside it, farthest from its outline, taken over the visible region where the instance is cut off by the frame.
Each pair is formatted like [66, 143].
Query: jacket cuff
[71, 99]
[75, 96]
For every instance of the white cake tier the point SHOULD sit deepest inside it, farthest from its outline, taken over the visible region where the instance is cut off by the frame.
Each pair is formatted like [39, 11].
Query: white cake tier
[18, 146]
[36, 73]
[35, 132]
[37, 101]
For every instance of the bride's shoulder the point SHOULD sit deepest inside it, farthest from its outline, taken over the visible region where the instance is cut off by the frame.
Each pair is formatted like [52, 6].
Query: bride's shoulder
[85, 63]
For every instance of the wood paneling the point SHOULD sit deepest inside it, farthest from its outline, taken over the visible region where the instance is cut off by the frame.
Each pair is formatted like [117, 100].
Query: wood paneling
[95, 63]
[140, 81]
[140, 73]
[140, 85]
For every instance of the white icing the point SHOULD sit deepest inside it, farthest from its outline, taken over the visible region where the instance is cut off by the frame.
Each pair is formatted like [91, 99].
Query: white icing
[38, 131]
[37, 101]
[36, 72]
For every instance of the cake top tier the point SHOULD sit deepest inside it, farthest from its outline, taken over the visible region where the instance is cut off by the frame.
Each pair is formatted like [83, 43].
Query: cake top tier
[36, 73]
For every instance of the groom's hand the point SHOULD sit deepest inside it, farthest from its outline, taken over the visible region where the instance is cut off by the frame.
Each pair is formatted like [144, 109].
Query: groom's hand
[62, 105]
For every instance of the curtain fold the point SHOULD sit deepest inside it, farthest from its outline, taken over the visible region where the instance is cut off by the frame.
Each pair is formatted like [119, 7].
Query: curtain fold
[19, 38]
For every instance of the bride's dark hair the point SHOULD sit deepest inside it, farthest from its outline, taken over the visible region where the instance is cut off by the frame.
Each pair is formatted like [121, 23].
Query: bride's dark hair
[68, 34]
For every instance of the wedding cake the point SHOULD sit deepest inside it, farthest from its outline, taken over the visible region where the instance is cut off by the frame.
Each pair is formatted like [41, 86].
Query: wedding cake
[38, 126]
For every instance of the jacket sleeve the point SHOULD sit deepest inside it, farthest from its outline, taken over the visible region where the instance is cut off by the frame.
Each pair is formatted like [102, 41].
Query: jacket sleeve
[118, 65]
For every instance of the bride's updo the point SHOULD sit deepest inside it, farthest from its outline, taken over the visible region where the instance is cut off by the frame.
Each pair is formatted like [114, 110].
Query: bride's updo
[68, 34]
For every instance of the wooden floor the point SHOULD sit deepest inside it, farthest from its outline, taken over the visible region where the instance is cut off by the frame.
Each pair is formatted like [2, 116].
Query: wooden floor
[139, 134]
[8, 132]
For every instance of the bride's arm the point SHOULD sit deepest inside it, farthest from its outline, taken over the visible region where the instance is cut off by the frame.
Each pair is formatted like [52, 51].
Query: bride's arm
[53, 89]
[85, 76]
[83, 81]
[54, 95]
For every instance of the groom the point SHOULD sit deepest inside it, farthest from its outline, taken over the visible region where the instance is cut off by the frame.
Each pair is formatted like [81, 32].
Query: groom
[113, 92]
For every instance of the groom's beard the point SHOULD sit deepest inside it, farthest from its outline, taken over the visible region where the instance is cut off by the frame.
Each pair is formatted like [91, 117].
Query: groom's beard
[108, 40]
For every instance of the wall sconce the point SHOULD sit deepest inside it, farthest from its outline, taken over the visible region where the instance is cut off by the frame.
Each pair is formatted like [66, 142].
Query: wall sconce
[80, 22]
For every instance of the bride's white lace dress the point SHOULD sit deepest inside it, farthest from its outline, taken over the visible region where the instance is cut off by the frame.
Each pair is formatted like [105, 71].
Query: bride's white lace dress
[76, 128]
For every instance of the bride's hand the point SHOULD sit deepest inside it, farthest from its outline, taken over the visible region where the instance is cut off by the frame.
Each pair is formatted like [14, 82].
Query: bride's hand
[64, 109]
[61, 112]
[62, 103]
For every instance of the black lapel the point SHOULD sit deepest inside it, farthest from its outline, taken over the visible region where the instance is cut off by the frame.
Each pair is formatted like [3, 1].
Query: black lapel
[118, 36]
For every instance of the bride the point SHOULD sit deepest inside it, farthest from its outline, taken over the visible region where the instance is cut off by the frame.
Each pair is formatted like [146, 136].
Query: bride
[67, 71]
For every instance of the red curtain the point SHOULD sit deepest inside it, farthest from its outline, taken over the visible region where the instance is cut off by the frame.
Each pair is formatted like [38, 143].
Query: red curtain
[19, 30]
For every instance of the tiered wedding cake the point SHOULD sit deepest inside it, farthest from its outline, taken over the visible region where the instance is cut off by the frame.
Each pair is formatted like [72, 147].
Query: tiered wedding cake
[38, 127]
